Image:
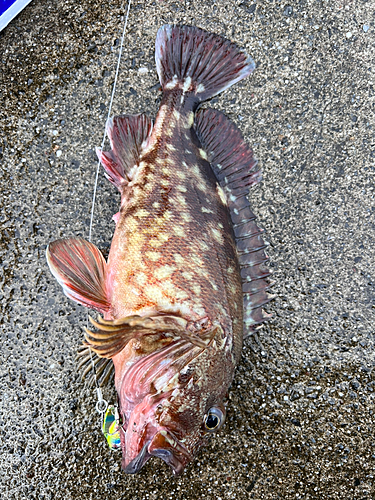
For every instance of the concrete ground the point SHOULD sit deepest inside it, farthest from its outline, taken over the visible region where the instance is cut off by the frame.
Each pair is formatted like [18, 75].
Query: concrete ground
[301, 411]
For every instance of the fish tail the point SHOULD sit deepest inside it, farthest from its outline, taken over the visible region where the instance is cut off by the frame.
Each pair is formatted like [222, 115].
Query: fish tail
[198, 62]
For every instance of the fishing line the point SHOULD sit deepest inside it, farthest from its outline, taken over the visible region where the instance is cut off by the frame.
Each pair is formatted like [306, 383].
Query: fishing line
[102, 405]
[108, 117]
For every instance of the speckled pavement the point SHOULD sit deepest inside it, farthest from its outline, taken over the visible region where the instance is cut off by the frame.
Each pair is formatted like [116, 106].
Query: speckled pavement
[301, 410]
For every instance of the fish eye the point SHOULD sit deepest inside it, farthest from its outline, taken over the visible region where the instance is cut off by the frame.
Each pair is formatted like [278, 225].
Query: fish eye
[213, 419]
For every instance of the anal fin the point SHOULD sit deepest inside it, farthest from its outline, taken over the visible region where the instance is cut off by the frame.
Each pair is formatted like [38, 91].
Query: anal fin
[126, 134]
[235, 169]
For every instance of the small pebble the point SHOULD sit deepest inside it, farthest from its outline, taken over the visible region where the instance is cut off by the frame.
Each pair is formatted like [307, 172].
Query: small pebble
[349, 34]
[58, 153]
[142, 71]
[288, 11]
[366, 27]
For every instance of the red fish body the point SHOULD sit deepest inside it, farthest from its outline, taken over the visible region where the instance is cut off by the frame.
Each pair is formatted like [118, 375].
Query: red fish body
[184, 273]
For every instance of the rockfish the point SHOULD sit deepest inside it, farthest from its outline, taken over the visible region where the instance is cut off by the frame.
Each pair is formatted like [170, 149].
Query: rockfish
[184, 281]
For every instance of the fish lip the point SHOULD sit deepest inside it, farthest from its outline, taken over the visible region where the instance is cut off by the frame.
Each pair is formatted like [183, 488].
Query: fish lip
[168, 457]
[161, 448]
[166, 446]
[139, 461]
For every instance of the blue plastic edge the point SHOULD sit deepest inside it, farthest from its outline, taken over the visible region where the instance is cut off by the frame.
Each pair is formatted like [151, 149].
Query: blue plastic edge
[12, 11]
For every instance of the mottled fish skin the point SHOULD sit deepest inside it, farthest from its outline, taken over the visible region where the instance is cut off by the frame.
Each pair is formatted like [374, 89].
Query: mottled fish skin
[171, 293]
[179, 258]
[173, 248]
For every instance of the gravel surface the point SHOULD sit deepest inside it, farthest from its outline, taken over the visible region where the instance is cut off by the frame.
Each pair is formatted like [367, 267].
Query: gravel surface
[301, 411]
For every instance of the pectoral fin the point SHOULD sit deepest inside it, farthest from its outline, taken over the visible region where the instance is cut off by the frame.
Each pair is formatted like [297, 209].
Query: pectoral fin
[112, 336]
[80, 268]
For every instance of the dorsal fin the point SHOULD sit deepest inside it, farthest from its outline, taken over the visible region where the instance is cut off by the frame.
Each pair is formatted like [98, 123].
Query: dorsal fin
[80, 268]
[234, 166]
[126, 134]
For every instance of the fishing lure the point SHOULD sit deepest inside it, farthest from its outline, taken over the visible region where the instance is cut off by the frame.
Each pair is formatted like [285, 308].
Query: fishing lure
[111, 427]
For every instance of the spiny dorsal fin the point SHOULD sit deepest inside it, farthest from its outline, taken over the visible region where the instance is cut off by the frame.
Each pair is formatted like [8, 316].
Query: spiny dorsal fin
[80, 268]
[113, 335]
[234, 166]
[126, 134]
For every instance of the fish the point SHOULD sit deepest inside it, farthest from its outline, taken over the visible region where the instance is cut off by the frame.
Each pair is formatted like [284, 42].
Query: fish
[186, 278]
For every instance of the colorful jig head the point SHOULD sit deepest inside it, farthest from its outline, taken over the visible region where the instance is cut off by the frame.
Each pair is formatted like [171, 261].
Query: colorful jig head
[111, 427]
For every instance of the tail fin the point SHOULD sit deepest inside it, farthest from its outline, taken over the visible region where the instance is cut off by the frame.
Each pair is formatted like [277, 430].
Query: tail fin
[198, 61]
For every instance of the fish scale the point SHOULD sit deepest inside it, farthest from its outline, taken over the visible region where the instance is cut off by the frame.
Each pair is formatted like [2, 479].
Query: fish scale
[185, 279]
[163, 211]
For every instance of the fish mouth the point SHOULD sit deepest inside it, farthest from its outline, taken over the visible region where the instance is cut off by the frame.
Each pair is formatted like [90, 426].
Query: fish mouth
[138, 462]
[164, 445]
[167, 447]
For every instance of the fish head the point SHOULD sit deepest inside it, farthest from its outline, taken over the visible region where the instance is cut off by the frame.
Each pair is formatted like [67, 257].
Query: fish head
[172, 427]
[171, 423]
